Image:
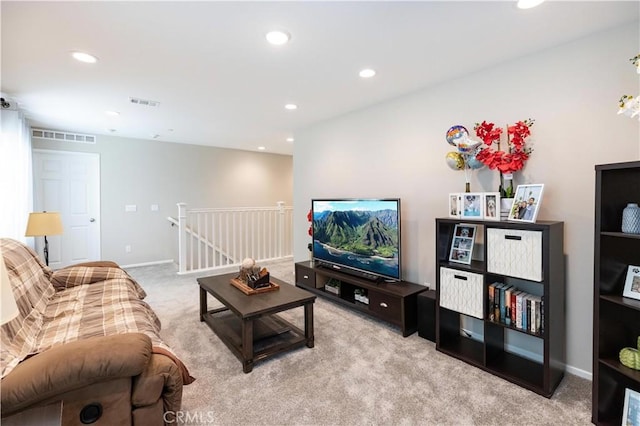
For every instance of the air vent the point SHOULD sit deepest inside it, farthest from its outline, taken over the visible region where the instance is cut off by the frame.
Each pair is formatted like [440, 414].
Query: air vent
[144, 102]
[62, 136]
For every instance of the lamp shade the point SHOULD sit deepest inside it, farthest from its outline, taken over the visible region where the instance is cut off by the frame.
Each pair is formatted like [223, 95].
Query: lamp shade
[46, 223]
[7, 302]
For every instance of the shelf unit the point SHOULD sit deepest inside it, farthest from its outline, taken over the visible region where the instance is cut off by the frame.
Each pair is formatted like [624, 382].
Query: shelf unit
[535, 361]
[395, 303]
[616, 319]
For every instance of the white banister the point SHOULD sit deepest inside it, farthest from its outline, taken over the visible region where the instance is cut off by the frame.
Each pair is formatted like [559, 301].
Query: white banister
[219, 238]
[182, 238]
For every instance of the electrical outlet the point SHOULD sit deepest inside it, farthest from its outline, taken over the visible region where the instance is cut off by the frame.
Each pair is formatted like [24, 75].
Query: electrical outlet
[127, 249]
[427, 285]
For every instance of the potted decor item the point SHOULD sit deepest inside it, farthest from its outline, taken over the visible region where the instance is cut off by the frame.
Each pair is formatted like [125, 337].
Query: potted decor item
[631, 219]
[506, 161]
[630, 357]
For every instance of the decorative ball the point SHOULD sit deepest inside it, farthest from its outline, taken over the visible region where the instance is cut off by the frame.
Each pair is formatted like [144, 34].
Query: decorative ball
[457, 133]
[467, 146]
[248, 263]
[454, 160]
[474, 163]
[630, 357]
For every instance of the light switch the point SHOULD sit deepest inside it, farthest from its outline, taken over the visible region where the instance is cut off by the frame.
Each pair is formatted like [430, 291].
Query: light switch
[130, 208]
[154, 207]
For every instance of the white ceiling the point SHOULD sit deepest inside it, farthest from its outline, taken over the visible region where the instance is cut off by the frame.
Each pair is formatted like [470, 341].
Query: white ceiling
[220, 83]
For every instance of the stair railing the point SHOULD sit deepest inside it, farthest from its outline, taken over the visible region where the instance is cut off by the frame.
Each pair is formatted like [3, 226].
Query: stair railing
[211, 239]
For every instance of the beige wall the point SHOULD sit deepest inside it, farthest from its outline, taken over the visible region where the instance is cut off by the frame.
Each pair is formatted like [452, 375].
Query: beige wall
[143, 172]
[397, 149]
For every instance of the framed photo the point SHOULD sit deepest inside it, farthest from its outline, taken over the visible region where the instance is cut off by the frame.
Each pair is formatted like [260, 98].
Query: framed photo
[631, 410]
[491, 203]
[526, 203]
[632, 284]
[454, 205]
[464, 237]
[471, 205]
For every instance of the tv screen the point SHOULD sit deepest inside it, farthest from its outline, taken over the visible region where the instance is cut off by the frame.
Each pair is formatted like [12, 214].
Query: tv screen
[358, 235]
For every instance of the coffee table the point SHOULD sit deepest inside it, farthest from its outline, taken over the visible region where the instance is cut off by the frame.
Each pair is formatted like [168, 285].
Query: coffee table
[247, 324]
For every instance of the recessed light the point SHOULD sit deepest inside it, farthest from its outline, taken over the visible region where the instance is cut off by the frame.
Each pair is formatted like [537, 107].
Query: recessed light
[84, 57]
[112, 113]
[291, 107]
[262, 148]
[528, 4]
[367, 73]
[289, 139]
[278, 37]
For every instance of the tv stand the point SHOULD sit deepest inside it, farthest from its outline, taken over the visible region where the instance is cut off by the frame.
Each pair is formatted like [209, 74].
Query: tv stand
[395, 303]
[370, 277]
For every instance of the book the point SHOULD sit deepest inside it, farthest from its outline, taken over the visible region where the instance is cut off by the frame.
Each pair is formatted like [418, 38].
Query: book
[514, 296]
[496, 302]
[519, 296]
[507, 304]
[535, 314]
[490, 306]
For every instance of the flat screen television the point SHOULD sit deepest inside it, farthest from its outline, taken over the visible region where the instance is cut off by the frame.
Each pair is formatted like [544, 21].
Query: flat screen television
[358, 236]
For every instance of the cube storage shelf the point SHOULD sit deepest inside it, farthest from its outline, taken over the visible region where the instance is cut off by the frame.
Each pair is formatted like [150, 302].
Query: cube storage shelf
[395, 303]
[616, 319]
[530, 257]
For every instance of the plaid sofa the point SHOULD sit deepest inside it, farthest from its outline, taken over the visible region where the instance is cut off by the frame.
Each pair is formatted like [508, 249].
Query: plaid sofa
[85, 336]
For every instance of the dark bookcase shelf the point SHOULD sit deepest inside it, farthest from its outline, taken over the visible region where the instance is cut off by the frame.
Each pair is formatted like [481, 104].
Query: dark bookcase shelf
[493, 349]
[616, 319]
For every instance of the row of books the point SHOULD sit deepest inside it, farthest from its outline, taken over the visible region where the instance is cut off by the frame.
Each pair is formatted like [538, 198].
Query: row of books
[516, 308]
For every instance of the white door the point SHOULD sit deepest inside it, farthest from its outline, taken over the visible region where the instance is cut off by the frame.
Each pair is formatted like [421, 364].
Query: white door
[69, 183]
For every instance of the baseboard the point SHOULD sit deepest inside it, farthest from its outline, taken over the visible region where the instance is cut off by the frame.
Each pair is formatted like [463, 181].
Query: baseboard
[578, 372]
[569, 369]
[157, 262]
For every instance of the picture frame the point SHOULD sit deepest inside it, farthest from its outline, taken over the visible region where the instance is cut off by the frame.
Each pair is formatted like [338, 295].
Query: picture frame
[454, 204]
[526, 203]
[491, 205]
[632, 283]
[471, 205]
[464, 237]
[631, 408]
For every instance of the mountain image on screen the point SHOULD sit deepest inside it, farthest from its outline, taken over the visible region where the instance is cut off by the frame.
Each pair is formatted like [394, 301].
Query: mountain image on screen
[366, 233]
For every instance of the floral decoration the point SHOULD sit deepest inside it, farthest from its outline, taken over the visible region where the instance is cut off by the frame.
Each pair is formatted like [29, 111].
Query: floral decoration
[628, 104]
[517, 152]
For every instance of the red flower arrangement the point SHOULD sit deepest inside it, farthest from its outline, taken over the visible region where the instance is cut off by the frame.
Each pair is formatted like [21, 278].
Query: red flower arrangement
[514, 157]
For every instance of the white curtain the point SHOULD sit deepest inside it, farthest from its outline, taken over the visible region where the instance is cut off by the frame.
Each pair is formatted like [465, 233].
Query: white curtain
[16, 188]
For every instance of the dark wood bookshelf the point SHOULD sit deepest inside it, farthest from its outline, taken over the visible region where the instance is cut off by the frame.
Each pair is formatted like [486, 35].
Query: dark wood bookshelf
[616, 319]
[490, 350]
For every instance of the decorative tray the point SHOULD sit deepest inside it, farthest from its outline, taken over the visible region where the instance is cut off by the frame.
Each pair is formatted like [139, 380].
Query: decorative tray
[251, 291]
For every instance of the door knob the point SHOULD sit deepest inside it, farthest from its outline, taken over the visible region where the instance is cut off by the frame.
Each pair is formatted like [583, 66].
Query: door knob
[92, 220]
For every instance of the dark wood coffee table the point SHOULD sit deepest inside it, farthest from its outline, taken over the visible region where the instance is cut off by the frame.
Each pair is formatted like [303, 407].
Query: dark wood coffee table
[247, 324]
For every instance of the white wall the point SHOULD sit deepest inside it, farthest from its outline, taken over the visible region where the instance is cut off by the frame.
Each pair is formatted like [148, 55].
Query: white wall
[144, 172]
[397, 149]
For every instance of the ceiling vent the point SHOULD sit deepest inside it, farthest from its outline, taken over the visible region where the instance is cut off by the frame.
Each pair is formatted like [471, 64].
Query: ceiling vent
[144, 102]
[62, 136]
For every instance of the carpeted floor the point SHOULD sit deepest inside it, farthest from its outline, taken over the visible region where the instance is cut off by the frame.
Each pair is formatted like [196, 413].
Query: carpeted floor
[360, 371]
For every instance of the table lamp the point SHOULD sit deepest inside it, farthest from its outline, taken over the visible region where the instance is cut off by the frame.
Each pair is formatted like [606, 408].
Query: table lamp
[9, 309]
[43, 224]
